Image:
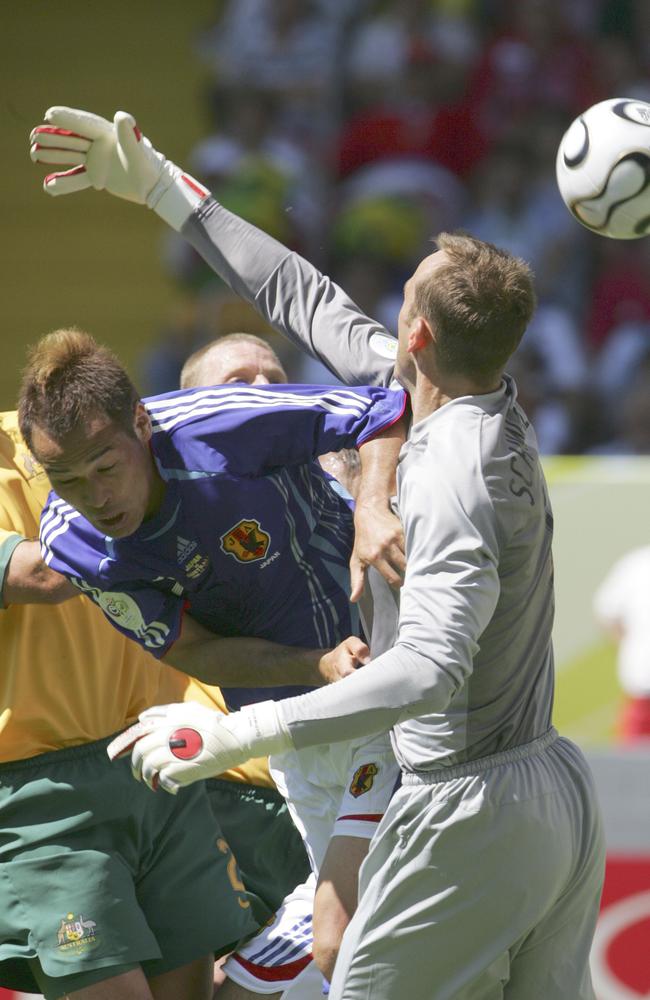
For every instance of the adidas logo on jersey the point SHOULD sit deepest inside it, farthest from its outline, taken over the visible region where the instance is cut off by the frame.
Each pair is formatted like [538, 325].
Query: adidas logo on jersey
[184, 548]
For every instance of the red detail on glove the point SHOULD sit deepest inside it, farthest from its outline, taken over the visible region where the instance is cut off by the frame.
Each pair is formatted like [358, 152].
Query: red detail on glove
[194, 186]
[51, 130]
[138, 133]
[186, 744]
[65, 173]
[38, 145]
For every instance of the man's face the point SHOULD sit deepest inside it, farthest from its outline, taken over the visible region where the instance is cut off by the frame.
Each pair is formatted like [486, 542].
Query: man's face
[103, 472]
[404, 365]
[241, 362]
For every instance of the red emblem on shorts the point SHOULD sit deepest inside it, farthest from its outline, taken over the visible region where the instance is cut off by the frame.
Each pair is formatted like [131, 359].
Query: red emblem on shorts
[363, 779]
[186, 744]
[247, 541]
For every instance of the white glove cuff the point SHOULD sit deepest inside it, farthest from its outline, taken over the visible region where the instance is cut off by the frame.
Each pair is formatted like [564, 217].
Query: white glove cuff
[175, 196]
[268, 731]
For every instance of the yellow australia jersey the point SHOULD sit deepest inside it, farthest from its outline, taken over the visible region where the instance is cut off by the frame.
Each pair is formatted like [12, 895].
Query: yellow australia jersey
[68, 677]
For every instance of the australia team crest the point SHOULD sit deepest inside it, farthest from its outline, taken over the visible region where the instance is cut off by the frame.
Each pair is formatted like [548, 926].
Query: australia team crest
[76, 933]
[246, 541]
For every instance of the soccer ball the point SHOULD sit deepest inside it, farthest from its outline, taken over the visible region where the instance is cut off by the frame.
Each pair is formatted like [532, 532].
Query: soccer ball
[603, 168]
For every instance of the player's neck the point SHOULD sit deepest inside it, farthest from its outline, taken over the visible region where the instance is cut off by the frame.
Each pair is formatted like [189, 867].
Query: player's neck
[428, 396]
[157, 490]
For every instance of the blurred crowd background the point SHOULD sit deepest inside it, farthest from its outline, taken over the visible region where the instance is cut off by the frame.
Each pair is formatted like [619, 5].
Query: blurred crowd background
[355, 130]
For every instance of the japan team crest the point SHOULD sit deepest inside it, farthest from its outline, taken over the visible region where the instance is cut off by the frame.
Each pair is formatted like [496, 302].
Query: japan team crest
[363, 779]
[246, 541]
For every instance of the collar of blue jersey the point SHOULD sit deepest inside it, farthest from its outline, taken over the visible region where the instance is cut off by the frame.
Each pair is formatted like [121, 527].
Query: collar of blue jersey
[163, 520]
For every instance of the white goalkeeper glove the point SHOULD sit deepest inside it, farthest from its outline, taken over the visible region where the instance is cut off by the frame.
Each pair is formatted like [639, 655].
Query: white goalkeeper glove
[115, 157]
[175, 745]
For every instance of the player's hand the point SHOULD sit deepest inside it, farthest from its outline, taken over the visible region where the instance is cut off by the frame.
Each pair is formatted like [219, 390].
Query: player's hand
[112, 156]
[378, 542]
[176, 745]
[344, 659]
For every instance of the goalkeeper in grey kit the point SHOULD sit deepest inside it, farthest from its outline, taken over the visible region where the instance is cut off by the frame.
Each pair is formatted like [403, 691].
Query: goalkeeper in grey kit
[484, 877]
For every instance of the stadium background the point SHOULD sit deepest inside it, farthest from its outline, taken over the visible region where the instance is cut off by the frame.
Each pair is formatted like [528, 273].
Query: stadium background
[102, 265]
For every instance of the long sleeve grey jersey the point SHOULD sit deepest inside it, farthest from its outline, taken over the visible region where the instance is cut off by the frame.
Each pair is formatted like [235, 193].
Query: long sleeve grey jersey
[293, 296]
[471, 672]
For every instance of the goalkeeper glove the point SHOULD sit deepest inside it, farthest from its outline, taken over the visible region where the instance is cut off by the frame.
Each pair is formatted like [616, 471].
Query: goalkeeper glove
[175, 745]
[115, 157]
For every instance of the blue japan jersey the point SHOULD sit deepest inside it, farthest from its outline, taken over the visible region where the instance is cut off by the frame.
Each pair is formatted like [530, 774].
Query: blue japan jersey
[250, 538]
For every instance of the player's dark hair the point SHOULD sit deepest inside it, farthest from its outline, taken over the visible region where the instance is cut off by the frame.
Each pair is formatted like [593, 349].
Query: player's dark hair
[479, 303]
[69, 377]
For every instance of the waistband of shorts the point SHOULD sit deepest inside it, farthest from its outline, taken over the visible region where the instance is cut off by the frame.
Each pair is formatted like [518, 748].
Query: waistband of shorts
[481, 764]
[241, 789]
[77, 752]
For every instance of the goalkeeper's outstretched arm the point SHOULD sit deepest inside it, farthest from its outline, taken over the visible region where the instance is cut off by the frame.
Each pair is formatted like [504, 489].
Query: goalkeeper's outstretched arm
[291, 294]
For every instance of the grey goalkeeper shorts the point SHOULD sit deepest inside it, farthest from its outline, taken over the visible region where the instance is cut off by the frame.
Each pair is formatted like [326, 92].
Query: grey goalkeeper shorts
[482, 882]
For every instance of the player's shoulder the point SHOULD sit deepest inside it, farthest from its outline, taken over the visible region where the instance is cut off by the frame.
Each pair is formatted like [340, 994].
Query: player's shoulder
[193, 411]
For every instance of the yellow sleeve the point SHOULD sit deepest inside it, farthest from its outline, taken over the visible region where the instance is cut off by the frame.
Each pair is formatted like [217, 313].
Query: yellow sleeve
[8, 542]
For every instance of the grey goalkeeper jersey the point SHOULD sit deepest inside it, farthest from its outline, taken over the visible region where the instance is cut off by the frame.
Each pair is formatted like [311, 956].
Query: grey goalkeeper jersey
[471, 672]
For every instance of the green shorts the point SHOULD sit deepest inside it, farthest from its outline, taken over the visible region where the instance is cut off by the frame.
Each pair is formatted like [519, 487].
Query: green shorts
[98, 874]
[269, 849]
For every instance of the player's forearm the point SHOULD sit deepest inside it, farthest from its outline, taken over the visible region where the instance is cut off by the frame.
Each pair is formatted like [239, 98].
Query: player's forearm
[27, 580]
[379, 538]
[379, 458]
[245, 662]
[400, 684]
[303, 304]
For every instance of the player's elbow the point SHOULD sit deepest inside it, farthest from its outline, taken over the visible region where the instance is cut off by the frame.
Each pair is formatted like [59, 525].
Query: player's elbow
[325, 951]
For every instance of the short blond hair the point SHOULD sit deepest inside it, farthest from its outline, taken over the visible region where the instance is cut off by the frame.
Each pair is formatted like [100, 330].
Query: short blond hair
[68, 377]
[189, 372]
[479, 303]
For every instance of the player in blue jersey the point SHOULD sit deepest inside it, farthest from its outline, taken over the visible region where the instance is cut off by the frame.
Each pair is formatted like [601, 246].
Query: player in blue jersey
[205, 500]
[209, 501]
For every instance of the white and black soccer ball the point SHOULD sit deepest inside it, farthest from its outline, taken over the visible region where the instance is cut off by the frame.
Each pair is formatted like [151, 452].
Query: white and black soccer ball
[603, 168]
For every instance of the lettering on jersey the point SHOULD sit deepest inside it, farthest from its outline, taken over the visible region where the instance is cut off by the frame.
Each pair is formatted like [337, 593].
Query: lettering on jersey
[76, 934]
[196, 566]
[363, 779]
[246, 541]
[267, 562]
[522, 462]
[125, 612]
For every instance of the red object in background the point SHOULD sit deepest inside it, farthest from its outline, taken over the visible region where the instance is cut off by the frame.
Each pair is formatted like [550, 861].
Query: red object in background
[620, 293]
[634, 721]
[621, 949]
[447, 136]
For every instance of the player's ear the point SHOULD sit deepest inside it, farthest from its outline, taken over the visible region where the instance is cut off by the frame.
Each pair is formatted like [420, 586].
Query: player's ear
[419, 336]
[142, 424]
